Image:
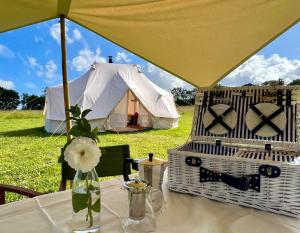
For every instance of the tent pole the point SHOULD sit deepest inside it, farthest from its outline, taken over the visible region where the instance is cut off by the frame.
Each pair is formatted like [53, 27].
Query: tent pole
[64, 73]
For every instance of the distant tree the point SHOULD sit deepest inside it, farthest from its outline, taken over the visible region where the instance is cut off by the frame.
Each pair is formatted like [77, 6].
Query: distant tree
[9, 99]
[32, 102]
[295, 82]
[248, 85]
[279, 82]
[183, 96]
[218, 85]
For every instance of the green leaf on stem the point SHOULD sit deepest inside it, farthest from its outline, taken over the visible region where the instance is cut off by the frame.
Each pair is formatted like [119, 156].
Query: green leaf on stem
[95, 130]
[75, 110]
[94, 134]
[79, 201]
[85, 112]
[92, 188]
[76, 131]
[96, 206]
[61, 157]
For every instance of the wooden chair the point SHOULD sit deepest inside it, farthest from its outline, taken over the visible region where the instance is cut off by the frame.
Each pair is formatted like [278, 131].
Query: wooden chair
[10, 188]
[111, 164]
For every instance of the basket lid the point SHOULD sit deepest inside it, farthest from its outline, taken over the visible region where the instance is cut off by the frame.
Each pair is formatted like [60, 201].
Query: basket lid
[252, 115]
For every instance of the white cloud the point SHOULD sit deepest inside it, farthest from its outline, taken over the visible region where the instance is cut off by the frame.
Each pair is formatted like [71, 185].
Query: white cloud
[7, 84]
[31, 85]
[19, 55]
[6, 52]
[86, 58]
[32, 62]
[48, 52]
[55, 33]
[76, 34]
[163, 78]
[49, 70]
[122, 57]
[259, 69]
[38, 39]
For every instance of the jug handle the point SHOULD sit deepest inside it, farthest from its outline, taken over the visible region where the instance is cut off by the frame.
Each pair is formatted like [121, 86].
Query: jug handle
[134, 166]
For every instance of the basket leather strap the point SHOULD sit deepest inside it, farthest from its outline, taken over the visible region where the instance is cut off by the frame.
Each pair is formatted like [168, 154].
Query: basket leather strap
[288, 100]
[243, 183]
[219, 118]
[266, 120]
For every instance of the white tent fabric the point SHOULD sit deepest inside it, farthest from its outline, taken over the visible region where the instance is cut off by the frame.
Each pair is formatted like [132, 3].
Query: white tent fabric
[104, 89]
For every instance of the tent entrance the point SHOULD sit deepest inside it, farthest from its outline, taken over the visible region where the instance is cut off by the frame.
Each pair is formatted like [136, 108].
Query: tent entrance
[133, 110]
[129, 115]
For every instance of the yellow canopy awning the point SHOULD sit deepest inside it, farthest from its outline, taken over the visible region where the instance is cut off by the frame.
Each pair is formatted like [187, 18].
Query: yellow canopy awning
[198, 40]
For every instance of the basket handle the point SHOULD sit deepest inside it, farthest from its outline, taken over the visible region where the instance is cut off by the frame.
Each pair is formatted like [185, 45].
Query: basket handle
[242, 183]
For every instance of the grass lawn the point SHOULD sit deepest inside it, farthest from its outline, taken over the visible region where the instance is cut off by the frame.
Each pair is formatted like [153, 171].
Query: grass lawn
[28, 155]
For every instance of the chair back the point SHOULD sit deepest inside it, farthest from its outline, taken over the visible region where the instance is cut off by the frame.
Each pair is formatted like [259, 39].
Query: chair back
[111, 164]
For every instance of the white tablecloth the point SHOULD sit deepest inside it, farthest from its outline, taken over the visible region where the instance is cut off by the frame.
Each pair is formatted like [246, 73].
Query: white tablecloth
[183, 214]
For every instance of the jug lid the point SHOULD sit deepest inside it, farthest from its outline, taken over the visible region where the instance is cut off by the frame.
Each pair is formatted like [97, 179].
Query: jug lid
[150, 161]
[136, 184]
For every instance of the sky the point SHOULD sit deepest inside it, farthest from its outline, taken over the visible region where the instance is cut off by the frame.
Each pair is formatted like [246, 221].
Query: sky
[30, 58]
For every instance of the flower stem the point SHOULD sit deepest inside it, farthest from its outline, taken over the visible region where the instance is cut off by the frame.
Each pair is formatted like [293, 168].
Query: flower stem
[89, 214]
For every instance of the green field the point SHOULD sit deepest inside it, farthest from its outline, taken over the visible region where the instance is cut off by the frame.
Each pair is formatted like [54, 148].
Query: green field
[28, 155]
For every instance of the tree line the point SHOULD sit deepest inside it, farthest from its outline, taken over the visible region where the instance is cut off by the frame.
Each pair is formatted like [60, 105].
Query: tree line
[183, 96]
[11, 100]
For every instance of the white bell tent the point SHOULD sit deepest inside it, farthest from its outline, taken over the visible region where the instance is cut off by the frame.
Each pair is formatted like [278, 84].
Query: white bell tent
[115, 93]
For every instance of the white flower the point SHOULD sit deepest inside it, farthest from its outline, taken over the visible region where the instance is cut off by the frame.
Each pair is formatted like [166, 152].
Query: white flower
[82, 154]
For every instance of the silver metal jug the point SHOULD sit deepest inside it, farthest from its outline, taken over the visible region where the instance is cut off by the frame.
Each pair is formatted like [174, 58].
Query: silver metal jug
[137, 191]
[150, 169]
[140, 216]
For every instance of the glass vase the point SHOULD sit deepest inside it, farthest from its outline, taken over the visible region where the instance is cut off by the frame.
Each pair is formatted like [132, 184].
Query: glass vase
[86, 202]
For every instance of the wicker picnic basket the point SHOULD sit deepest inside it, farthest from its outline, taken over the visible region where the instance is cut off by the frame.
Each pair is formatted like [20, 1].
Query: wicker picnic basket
[244, 149]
